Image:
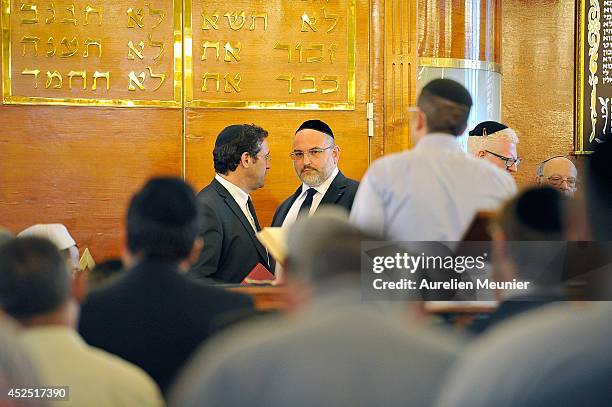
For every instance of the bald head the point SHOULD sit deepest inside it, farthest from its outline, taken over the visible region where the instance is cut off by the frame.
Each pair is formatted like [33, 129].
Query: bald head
[558, 172]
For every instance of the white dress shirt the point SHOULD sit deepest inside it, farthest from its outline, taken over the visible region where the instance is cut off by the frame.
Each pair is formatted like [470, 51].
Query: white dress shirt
[239, 196]
[94, 377]
[316, 199]
[429, 193]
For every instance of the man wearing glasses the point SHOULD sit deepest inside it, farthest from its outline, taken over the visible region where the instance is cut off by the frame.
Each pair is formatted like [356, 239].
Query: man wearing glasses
[433, 191]
[227, 220]
[315, 158]
[496, 143]
[558, 172]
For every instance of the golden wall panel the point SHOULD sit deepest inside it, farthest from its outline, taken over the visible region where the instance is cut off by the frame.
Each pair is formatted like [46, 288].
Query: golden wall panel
[250, 54]
[77, 52]
[538, 82]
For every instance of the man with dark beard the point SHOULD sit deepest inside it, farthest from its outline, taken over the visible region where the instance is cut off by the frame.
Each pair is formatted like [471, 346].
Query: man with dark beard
[315, 158]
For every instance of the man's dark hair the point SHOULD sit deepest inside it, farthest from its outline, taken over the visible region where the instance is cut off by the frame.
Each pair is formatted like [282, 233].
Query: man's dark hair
[34, 278]
[599, 191]
[161, 220]
[237, 140]
[446, 105]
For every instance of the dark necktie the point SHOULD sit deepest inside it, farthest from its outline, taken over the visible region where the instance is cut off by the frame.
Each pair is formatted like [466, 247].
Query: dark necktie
[253, 214]
[305, 208]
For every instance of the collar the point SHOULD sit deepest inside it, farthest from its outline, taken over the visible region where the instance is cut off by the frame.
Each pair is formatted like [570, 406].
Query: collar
[322, 189]
[235, 191]
[438, 141]
[51, 334]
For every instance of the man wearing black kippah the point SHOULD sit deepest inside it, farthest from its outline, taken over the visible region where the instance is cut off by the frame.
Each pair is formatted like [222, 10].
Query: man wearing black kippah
[432, 192]
[227, 219]
[315, 158]
[496, 143]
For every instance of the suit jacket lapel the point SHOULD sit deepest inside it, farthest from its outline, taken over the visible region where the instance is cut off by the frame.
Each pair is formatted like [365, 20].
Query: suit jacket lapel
[229, 200]
[335, 190]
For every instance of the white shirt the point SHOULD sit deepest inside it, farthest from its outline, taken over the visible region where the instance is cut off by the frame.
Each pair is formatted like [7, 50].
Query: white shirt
[240, 197]
[429, 193]
[316, 199]
[94, 377]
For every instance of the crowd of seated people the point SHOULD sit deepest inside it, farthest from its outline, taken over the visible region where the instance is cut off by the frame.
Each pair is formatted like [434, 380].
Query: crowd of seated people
[153, 329]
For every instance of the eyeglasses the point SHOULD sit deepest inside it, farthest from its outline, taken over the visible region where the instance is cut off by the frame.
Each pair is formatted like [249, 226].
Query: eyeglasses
[509, 161]
[313, 153]
[267, 157]
[557, 180]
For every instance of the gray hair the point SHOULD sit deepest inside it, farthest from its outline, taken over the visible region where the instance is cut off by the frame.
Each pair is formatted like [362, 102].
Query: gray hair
[479, 143]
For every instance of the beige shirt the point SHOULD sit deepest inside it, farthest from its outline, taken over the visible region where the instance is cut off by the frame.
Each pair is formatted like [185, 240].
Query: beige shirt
[94, 377]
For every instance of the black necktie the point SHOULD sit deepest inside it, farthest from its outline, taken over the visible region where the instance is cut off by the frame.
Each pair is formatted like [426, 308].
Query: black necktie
[305, 208]
[253, 214]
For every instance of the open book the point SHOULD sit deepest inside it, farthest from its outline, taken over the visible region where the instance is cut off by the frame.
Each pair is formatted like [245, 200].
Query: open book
[275, 240]
[87, 262]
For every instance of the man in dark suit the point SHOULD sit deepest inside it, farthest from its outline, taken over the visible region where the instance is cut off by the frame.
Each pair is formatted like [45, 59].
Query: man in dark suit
[315, 158]
[153, 315]
[227, 219]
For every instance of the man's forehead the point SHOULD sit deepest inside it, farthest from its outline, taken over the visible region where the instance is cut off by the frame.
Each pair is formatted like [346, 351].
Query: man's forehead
[502, 147]
[561, 166]
[309, 138]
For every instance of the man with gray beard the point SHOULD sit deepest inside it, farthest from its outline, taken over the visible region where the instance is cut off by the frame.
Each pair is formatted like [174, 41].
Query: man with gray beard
[315, 158]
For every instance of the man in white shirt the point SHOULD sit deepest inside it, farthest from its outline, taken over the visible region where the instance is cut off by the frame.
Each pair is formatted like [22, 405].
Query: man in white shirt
[432, 192]
[227, 220]
[315, 158]
[35, 289]
[496, 143]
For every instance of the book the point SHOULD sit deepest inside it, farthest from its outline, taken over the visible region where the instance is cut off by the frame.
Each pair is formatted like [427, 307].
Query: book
[87, 262]
[258, 275]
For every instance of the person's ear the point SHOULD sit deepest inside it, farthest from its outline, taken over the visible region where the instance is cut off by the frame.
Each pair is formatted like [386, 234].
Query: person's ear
[480, 154]
[193, 256]
[336, 154]
[79, 285]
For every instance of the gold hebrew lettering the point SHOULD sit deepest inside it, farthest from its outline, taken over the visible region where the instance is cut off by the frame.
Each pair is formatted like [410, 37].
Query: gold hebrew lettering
[97, 75]
[235, 20]
[135, 17]
[255, 17]
[89, 42]
[329, 78]
[90, 10]
[233, 51]
[286, 47]
[70, 20]
[156, 44]
[208, 22]
[34, 72]
[333, 17]
[319, 58]
[208, 76]
[51, 8]
[71, 46]
[134, 81]
[81, 74]
[132, 50]
[28, 40]
[287, 78]
[209, 44]
[232, 83]
[307, 78]
[332, 52]
[308, 22]
[50, 77]
[156, 12]
[52, 47]
[300, 48]
[29, 8]
[161, 76]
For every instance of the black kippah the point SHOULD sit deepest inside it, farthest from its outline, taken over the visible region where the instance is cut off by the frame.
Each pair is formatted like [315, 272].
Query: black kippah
[487, 128]
[450, 90]
[229, 134]
[317, 125]
[541, 209]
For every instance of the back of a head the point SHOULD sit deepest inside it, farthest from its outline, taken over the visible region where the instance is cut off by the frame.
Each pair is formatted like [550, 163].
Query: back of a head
[599, 191]
[536, 214]
[232, 142]
[161, 220]
[5, 236]
[325, 247]
[34, 279]
[446, 105]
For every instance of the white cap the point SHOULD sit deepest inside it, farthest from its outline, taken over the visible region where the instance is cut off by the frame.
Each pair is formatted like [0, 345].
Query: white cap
[55, 232]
